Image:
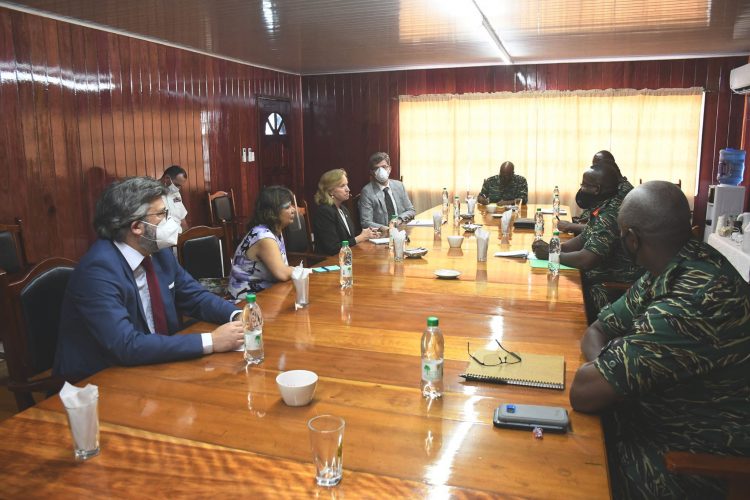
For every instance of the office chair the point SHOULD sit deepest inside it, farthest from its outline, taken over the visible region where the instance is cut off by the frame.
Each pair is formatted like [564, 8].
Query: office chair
[204, 251]
[12, 252]
[735, 471]
[352, 204]
[299, 238]
[31, 307]
[223, 212]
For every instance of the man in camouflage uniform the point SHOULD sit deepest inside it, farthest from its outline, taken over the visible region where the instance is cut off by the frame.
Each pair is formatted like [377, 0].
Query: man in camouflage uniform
[504, 188]
[623, 188]
[670, 359]
[597, 251]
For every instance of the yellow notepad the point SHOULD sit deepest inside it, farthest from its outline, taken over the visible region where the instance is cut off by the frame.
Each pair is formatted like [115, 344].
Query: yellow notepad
[536, 370]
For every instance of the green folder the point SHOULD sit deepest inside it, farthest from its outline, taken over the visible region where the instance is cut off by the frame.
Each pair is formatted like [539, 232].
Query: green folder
[542, 264]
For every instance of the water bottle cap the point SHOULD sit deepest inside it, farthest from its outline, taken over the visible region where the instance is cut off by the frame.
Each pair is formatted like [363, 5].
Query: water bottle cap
[556, 233]
[250, 298]
[432, 321]
[345, 243]
[538, 209]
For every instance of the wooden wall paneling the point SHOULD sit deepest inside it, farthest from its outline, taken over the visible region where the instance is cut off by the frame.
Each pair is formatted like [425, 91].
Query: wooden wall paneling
[629, 74]
[195, 186]
[85, 83]
[127, 139]
[144, 126]
[41, 197]
[170, 110]
[708, 142]
[162, 76]
[610, 76]
[134, 107]
[396, 82]
[665, 75]
[577, 77]
[118, 111]
[67, 166]
[12, 156]
[180, 121]
[89, 106]
[107, 95]
[100, 81]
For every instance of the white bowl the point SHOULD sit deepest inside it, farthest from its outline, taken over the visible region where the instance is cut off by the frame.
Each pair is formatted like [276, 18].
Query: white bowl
[455, 241]
[297, 387]
[491, 208]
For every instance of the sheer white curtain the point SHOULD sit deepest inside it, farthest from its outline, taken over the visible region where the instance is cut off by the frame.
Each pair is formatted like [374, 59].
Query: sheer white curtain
[456, 141]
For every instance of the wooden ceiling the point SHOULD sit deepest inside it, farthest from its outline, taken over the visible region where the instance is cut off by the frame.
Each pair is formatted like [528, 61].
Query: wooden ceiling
[346, 36]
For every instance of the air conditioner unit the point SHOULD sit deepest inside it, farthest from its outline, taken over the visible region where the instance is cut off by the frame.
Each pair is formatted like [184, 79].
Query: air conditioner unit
[739, 79]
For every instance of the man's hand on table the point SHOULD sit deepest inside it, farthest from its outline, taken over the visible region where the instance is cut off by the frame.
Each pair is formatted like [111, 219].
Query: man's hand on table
[228, 337]
[541, 249]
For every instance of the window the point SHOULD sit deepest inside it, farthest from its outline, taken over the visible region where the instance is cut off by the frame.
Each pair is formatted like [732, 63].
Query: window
[275, 125]
[456, 141]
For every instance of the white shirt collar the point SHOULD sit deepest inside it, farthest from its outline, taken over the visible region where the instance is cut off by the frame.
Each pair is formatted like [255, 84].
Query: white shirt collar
[133, 256]
[382, 187]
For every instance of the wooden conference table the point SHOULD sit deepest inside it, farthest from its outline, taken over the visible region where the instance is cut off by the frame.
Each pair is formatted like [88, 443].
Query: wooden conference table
[212, 427]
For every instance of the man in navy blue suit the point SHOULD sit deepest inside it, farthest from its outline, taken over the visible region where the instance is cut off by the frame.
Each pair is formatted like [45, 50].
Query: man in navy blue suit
[122, 303]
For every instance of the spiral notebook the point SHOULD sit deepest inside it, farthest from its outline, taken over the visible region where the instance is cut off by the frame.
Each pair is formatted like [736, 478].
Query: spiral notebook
[535, 370]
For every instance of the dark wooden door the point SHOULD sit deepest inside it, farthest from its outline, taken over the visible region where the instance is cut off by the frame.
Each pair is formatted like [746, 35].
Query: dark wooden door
[275, 159]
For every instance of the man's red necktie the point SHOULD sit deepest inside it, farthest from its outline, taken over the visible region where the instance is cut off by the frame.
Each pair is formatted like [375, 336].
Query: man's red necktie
[157, 305]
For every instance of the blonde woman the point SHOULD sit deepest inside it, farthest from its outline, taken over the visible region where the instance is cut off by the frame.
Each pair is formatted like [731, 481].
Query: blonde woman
[332, 223]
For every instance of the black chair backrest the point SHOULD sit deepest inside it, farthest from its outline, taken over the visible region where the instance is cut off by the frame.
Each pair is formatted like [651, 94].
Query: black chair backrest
[9, 258]
[41, 302]
[203, 257]
[223, 208]
[352, 204]
[296, 239]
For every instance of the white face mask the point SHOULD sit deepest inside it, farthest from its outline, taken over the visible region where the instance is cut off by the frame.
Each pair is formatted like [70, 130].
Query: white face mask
[381, 175]
[164, 235]
[173, 189]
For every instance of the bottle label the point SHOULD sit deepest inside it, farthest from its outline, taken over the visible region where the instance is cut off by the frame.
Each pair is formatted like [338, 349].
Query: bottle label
[432, 370]
[554, 258]
[253, 340]
[346, 271]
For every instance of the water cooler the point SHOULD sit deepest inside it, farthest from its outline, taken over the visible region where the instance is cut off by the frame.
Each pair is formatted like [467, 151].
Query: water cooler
[722, 199]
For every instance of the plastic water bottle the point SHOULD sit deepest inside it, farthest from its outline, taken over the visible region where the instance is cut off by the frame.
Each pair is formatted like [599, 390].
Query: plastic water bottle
[538, 225]
[391, 227]
[456, 210]
[252, 323]
[556, 202]
[731, 168]
[446, 204]
[554, 255]
[432, 360]
[345, 263]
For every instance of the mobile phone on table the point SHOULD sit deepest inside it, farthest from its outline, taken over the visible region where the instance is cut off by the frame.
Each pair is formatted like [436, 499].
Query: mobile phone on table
[515, 416]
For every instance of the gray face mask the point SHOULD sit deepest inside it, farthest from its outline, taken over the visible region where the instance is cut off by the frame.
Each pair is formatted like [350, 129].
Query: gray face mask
[381, 175]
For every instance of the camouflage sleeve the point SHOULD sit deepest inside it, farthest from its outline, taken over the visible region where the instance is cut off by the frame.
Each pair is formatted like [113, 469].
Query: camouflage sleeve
[601, 233]
[485, 188]
[523, 190]
[665, 348]
[616, 319]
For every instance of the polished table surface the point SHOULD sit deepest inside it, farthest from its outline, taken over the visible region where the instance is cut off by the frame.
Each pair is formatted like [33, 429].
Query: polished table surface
[212, 426]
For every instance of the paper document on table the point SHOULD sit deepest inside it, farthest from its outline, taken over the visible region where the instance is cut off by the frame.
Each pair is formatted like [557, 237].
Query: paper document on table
[521, 254]
[420, 222]
[379, 241]
[549, 211]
